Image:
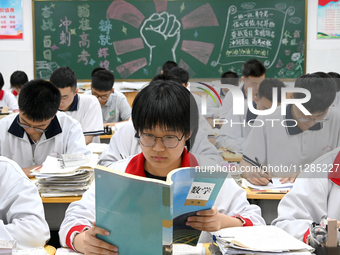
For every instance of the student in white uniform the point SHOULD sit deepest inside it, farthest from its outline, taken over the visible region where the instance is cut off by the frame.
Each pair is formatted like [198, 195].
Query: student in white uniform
[275, 145]
[22, 215]
[84, 108]
[336, 76]
[115, 107]
[233, 134]
[17, 80]
[315, 194]
[213, 110]
[7, 98]
[253, 72]
[166, 120]
[125, 143]
[39, 130]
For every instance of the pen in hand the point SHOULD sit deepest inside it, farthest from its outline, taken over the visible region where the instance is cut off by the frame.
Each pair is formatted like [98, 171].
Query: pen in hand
[262, 168]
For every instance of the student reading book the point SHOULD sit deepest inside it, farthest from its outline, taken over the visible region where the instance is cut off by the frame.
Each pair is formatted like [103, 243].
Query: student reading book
[166, 120]
[185, 192]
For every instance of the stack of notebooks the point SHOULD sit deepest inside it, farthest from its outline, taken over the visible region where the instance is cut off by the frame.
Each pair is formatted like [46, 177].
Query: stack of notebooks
[268, 240]
[70, 176]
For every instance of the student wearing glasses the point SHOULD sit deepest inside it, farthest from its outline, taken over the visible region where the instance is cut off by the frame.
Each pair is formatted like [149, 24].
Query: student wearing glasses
[295, 139]
[166, 121]
[115, 107]
[39, 130]
[83, 108]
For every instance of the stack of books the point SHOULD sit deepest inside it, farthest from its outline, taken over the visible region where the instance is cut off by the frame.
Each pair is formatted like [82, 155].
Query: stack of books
[70, 176]
[259, 240]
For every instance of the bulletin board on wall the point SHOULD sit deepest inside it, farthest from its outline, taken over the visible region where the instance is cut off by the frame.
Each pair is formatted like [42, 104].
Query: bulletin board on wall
[134, 38]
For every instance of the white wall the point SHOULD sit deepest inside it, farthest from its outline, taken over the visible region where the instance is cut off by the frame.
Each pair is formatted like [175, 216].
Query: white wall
[18, 54]
[322, 54]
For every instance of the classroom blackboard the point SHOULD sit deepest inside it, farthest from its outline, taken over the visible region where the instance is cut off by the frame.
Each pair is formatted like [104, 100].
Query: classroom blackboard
[134, 38]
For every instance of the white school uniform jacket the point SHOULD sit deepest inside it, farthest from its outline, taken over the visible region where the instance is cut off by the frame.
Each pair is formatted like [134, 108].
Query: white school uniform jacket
[315, 194]
[116, 108]
[14, 93]
[63, 136]
[231, 200]
[22, 215]
[86, 109]
[336, 102]
[234, 133]
[124, 143]
[8, 99]
[276, 145]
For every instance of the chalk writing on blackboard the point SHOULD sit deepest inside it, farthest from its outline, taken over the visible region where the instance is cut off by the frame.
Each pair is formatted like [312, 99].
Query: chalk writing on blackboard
[250, 33]
[134, 38]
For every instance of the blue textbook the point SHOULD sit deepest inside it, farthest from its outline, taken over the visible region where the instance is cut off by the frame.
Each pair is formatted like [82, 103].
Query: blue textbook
[145, 215]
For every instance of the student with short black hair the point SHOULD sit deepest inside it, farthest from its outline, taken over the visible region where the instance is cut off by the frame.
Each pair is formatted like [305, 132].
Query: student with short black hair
[115, 107]
[17, 80]
[233, 134]
[7, 98]
[124, 143]
[300, 139]
[21, 209]
[336, 76]
[253, 72]
[84, 108]
[39, 130]
[167, 66]
[181, 73]
[166, 121]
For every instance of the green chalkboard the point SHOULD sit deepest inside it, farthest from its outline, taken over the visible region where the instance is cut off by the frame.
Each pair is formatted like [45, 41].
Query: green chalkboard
[134, 38]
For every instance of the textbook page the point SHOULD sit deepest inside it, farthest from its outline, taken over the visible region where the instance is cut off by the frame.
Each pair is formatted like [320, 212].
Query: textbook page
[260, 238]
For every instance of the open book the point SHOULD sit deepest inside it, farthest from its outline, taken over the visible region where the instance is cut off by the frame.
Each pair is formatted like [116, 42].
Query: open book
[144, 214]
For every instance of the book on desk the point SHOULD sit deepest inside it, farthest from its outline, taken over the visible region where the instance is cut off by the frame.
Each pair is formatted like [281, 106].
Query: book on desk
[129, 213]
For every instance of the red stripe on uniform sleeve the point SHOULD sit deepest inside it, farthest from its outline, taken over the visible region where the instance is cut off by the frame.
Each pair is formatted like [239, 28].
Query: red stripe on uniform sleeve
[246, 222]
[305, 237]
[75, 229]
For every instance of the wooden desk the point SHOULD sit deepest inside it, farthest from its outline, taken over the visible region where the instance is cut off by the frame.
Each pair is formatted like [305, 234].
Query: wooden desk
[130, 96]
[60, 200]
[254, 195]
[250, 195]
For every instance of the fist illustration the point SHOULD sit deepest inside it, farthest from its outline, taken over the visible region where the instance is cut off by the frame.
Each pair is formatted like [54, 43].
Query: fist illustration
[161, 30]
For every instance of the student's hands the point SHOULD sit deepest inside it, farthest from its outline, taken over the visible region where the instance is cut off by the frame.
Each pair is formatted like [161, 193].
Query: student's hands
[291, 178]
[254, 175]
[27, 171]
[212, 220]
[258, 178]
[88, 243]
[284, 180]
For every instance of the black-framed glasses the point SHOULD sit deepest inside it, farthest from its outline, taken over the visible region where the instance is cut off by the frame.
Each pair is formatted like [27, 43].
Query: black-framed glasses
[308, 119]
[169, 141]
[100, 97]
[35, 128]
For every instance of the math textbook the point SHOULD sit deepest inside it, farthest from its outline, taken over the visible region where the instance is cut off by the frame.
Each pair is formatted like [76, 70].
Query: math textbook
[145, 215]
